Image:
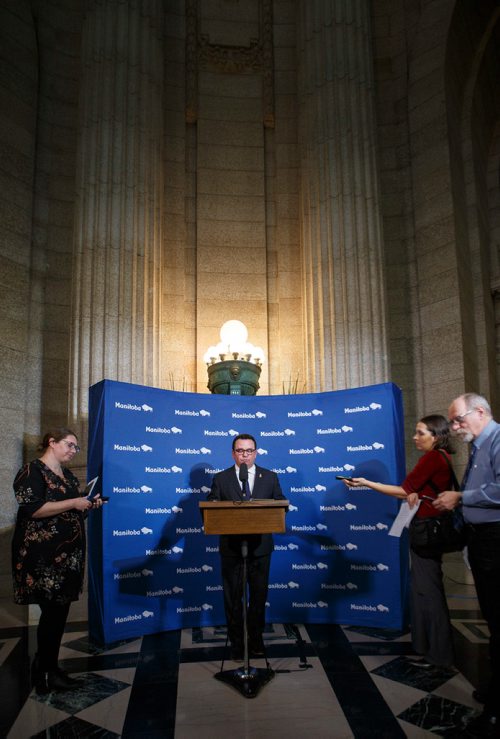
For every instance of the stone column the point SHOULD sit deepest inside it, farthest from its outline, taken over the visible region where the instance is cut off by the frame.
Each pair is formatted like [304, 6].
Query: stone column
[341, 230]
[118, 232]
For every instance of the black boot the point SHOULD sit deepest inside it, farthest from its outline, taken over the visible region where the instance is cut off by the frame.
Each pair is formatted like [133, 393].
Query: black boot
[60, 680]
[44, 681]
[39, 677]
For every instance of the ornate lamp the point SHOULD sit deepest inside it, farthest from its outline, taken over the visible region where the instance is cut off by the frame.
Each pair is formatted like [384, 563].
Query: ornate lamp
[234, 365]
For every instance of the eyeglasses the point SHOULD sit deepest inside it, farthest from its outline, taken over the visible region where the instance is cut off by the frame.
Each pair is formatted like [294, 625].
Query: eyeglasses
[460, 419]
[245, 452]
[71, 445]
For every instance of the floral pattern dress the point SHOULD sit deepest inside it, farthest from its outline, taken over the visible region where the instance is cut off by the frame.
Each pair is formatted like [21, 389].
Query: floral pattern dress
[48, 554]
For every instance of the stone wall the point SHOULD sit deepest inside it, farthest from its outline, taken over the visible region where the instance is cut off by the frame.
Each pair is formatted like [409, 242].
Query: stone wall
[18, 128]
[326, 175]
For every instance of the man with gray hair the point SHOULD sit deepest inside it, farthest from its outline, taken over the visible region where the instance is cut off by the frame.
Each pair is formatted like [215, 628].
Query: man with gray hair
[471, 420]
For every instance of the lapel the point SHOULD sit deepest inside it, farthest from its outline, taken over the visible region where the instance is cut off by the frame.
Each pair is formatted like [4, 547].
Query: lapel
[236, 492]
[257, 485]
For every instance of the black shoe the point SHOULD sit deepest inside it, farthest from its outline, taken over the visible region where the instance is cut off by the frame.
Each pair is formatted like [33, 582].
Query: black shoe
[479, 695]
[485, 725]
[421, 663]
[39, 677]
[50, 680]
[64, 678]
[256, 653]
[40, 683]
[35, 670]
[237, 652]
[256, 648]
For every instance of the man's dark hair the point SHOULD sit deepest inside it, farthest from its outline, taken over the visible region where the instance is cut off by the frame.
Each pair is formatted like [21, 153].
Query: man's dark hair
[244, 436]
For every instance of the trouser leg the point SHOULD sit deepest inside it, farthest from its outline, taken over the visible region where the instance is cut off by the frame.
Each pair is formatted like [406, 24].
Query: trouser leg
[258, 579]
[232, 582]
[430, 619]
[484, 558]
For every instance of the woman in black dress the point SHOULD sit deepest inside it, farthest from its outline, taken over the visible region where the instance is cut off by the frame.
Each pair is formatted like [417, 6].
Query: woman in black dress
[48, 549]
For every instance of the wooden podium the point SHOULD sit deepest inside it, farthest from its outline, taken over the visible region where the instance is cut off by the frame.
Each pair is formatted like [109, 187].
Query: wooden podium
[250, 517]
[257, 516]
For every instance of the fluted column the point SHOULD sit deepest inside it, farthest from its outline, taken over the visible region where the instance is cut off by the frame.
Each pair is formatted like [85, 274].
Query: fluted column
[118, 234]
[341, 232]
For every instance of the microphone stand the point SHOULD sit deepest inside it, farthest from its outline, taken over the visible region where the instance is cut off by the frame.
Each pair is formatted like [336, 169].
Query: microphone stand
[247, 680]
[246, 655]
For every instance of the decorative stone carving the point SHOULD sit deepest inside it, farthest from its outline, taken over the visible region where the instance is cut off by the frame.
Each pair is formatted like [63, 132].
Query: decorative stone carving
[256, 58]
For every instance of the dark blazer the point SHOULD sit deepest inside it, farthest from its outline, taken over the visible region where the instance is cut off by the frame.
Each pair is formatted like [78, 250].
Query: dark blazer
[226, 486]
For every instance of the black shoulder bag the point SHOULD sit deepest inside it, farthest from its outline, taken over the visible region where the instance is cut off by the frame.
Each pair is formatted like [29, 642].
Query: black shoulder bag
[434, 536]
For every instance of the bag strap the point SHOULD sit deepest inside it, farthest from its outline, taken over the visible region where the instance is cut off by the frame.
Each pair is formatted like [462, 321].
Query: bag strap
[456, 485]
[454, 480]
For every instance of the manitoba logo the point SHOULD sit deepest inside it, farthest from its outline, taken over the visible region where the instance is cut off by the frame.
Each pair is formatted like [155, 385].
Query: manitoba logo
[310, 604]
[202, 412]
[364, 408]
[163, 470]
[202, 450]
[163, 430]
[307, 450]
[133, 407]
[367, 607]
[134, 617]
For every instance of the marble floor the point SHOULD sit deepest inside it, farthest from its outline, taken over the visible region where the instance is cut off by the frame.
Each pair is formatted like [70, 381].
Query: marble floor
[327, 681]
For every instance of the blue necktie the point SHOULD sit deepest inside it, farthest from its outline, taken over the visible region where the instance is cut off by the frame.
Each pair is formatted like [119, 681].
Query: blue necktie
[469, 467]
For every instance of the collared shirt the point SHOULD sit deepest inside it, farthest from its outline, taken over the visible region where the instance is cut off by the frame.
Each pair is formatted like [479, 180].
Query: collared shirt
[251, 476]
[481, 498]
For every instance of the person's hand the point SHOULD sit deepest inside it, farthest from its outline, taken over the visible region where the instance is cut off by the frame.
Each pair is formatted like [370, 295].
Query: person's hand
[82, 504]
[356, 482]
[412, 499]
[97, 502]
[448, 500]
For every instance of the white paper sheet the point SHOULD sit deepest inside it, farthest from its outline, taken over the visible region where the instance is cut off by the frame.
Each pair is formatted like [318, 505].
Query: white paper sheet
[403, 518]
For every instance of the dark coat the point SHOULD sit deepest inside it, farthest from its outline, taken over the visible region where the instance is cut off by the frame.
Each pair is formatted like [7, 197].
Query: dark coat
[226, 486]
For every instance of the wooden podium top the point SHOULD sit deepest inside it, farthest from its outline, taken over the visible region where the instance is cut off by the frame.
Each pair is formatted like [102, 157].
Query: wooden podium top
[257, 516]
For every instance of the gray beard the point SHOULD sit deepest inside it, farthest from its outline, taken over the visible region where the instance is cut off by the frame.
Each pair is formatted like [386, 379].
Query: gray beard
[465, 436]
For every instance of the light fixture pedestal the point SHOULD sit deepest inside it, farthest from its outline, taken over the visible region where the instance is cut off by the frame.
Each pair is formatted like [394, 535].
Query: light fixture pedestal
[233, 377]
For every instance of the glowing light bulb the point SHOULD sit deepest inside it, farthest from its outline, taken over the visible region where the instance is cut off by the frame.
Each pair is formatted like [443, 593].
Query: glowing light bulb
[233, 335]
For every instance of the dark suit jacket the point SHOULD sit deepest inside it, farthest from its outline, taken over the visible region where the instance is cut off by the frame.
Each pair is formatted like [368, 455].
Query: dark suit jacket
[226, 486]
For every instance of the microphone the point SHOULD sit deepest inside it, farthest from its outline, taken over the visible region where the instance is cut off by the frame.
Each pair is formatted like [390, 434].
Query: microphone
[243, 473]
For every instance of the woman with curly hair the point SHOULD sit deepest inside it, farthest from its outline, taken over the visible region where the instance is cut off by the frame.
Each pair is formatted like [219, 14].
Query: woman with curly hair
[48, 549]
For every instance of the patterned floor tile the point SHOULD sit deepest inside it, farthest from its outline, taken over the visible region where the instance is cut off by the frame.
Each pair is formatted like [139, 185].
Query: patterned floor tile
[92, 689]
[423, 678]
[439, 715]
[75, 727]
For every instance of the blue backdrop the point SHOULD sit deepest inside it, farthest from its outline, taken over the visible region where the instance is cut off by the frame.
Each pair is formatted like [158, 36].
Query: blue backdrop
[151, 568]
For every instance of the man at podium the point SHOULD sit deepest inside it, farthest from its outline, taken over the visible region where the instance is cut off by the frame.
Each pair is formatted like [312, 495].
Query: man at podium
[245, 481]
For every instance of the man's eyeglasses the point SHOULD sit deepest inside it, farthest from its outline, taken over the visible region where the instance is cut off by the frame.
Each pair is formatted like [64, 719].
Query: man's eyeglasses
[460, 419]
[71, 445]
[245, 452]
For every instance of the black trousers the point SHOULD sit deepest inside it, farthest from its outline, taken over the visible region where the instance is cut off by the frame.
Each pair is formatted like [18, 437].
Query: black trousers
[50, 632]
[232, 582]
[431, 631]
[483, 542]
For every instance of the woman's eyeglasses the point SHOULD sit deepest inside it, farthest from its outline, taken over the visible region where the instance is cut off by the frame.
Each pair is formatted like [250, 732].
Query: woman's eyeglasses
[71, 445]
